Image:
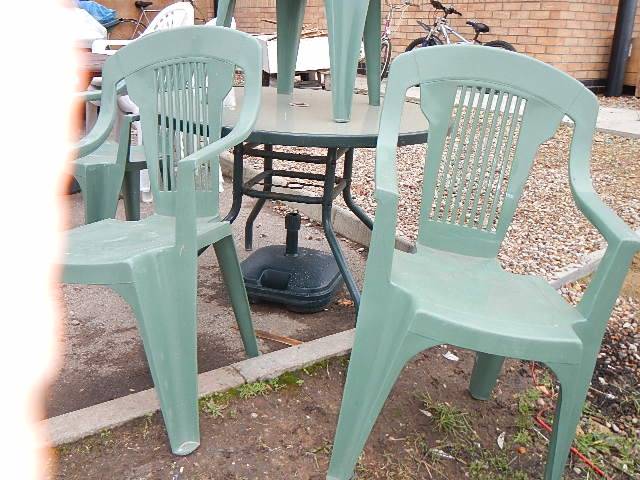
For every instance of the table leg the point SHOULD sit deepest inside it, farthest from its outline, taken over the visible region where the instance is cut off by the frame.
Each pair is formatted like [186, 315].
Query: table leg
[327, 203]
[289, 16]
[238, 158]
[346, 193]
[248, 228]
[372, 46]
[225, 12]
[345, 22]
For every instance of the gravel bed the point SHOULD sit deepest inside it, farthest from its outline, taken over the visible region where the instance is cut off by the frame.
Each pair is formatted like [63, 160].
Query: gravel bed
[627, 101]
[548, 234]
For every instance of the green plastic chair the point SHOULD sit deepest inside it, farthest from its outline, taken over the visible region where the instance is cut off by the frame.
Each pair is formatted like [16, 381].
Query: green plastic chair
[347, 20]
[111, 168]
[452, 290]
[179, 79]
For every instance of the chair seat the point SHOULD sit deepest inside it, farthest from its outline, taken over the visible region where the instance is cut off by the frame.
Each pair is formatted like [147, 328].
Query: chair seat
[114, 245]
[473, 303]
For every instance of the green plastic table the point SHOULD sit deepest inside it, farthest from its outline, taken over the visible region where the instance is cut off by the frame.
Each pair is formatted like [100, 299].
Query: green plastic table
[304, 119]
[348, 21]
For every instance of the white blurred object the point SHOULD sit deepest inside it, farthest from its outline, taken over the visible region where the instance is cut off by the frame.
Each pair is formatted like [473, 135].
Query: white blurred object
[85, 28]
[313, 54]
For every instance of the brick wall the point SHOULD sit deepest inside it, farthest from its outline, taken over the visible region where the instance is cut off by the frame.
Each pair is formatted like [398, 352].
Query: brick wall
[575, 35]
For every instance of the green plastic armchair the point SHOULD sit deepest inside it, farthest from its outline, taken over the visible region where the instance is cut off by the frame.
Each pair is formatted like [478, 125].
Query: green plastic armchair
[488, 110]
[105, 172]
[347, 21]
[179, 79]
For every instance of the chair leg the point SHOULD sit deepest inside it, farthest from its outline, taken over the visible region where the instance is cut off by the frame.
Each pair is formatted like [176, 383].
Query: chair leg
[574, 384]
[225, 12]
[232, 275]
[370, 377]
[167, 322]
[372, 46]
[290, 14]
[99, 198]
[131, 193]
[345, 22]
[485, 374]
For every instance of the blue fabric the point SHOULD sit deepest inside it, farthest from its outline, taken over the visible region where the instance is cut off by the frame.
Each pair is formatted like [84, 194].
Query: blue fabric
[106, 16]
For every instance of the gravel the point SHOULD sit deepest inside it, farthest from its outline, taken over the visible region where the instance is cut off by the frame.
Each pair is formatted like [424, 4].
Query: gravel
[548, 234]
[626, 101]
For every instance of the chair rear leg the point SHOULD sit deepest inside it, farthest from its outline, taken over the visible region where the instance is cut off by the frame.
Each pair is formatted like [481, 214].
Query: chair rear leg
[232, 275]
[167, 323]
[485, 374]
[574, 384]
[370, 377]
[131, 193]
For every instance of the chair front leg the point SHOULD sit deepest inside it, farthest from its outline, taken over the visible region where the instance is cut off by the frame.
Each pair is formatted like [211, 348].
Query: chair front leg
[167, 323]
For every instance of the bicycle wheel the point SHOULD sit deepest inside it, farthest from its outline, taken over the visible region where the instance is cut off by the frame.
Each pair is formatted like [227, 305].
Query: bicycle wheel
[500, 44]
[423, 42]
[385, 57]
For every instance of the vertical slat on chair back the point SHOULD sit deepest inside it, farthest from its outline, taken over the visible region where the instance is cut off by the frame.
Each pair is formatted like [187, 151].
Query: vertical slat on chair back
[182, 113]
[482, 141]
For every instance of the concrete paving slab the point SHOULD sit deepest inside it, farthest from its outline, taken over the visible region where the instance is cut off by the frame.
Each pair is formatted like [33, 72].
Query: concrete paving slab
[73, 426]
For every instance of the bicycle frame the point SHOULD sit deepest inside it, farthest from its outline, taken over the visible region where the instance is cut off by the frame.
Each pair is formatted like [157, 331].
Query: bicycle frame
[402, 8]
[442, 27]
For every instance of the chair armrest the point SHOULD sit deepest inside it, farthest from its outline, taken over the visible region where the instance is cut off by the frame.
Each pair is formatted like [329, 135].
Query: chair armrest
[623, 243]
[612, 227]
[88, 95]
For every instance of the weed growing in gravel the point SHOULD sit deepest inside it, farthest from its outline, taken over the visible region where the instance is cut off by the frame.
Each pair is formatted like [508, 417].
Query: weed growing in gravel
[216, 403]
[496, 467]
[526, 408]
[250, 390]
[447, 418]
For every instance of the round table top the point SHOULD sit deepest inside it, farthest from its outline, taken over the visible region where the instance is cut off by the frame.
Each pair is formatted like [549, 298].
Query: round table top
[304, 119]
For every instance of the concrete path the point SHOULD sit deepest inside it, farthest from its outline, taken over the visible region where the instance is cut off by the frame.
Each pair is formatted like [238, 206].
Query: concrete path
[617, 121]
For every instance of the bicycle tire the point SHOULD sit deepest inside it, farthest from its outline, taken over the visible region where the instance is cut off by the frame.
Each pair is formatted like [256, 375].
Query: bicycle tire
[500, 44]
[418, 42]
[385, 57]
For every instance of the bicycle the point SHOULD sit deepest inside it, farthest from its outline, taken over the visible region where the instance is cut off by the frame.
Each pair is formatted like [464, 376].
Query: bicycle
[144, 20]
[385, 38]
[440, 33]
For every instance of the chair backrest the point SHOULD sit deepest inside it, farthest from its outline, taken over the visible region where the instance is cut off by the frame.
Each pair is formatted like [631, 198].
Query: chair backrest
[178, 14]
[179, 78]
[488, 111]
